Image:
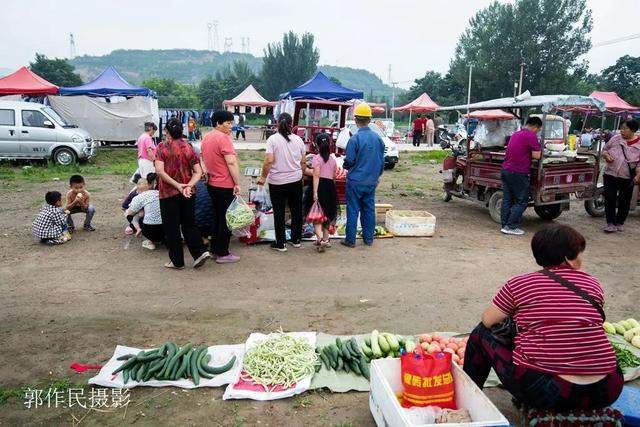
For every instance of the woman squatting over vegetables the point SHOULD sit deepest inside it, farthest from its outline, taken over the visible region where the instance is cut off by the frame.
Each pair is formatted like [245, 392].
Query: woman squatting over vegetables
[560, 357]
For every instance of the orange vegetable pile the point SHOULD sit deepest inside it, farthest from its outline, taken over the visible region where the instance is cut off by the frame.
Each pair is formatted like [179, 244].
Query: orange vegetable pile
[434, 343]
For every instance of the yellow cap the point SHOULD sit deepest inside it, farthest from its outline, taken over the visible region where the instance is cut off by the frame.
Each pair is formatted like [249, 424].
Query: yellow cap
[362, 110]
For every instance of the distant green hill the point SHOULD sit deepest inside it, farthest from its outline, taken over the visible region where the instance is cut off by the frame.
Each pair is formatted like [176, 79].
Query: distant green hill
[190, 66]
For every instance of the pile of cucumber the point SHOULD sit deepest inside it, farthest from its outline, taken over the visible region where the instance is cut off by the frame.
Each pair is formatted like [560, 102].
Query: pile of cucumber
[383, 344]
[344, 356]
[170, 363]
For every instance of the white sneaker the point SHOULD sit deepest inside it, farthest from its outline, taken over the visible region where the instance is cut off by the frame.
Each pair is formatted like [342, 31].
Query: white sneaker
[148, 244]
[199, 262]
[512, 231]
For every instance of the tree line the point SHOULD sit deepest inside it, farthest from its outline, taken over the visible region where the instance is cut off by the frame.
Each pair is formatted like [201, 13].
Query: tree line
[546, 39]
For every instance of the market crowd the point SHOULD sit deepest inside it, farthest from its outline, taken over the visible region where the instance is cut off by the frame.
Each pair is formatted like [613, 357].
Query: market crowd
[181, 198]
[524, 333]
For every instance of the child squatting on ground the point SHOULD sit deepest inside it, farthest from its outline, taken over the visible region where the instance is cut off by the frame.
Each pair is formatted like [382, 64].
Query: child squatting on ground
[77, 202]
[50, 225]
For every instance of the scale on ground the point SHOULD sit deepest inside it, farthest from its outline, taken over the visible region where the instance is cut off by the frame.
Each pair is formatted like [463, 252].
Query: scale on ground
[254, 173]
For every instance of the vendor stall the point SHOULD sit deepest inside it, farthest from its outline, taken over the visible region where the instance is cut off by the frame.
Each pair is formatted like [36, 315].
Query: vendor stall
[109, 107]
[474, 171]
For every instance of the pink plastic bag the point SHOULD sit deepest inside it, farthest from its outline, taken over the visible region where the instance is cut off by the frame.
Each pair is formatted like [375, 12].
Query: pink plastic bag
[316, 214]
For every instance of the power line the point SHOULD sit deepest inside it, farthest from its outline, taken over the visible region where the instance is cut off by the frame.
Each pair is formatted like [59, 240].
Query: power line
[618, 40]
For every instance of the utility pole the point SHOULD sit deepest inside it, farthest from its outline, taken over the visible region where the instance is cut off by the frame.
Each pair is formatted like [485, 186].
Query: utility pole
[469, 94]
[209, 36]
[216, 41]
[521, 75]
[72, 46]
[228, 44]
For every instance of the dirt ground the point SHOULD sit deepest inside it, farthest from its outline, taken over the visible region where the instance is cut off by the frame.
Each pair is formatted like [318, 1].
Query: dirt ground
[75, 302]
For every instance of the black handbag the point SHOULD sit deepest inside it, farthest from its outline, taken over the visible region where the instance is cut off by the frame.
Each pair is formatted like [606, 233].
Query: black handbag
[505, 332]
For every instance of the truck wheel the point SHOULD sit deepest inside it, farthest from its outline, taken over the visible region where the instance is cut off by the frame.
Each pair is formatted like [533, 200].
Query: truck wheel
[64, 156]
[389, 166]
[595, 206]
[548, 212]
[495, 206]
[446, 196]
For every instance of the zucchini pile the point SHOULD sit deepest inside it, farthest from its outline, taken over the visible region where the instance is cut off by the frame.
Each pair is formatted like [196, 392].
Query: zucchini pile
[383, 344]
[170, 362]
[344, 356]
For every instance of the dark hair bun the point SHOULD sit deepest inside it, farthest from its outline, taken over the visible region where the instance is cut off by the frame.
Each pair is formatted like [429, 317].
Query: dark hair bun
[174, 127]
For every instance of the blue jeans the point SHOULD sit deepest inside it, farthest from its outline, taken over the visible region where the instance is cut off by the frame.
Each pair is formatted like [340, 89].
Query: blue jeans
[361, 200]
[515, 190]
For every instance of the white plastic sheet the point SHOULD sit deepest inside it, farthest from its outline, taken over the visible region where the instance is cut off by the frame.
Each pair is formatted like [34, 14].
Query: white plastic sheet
[107, 121]
[234, 392]
[220, 354]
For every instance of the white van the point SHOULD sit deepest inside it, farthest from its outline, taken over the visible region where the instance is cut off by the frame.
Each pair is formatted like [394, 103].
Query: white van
[29, 130]
[390, 147]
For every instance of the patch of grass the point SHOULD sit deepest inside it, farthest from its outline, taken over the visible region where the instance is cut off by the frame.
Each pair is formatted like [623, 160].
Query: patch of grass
[301, 402]
[344, 424]
[426, 156]
[62, 384]
[109, 161]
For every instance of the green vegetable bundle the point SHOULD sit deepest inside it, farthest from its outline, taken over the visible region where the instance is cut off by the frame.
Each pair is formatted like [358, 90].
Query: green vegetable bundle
[239, 215]
[378, 345]
[280, 360]
[345, 356]
[170, 363]
[625, 358]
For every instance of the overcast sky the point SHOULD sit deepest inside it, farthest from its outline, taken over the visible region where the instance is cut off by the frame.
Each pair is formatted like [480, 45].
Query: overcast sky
[412, 36]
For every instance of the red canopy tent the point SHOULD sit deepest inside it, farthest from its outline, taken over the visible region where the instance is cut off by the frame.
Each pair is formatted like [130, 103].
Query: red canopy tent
[422, 104]
[613, 103]
[489, 115]
[25, 82]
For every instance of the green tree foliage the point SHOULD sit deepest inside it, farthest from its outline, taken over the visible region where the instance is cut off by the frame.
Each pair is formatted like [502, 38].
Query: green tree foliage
[623, 78]
[547, 36]
[287, 64]
[225, 84]
[57, 71]
[172, 94]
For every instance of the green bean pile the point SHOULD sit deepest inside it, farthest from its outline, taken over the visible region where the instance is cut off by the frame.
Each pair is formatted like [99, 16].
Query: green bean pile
[626, 359]
[281, 360]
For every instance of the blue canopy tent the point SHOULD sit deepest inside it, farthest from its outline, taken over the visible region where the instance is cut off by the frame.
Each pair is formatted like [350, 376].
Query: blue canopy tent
[108, 83]
[109, 107]
[321, 88]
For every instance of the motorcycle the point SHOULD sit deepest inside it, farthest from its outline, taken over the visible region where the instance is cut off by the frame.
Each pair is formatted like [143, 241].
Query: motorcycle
[451, 138]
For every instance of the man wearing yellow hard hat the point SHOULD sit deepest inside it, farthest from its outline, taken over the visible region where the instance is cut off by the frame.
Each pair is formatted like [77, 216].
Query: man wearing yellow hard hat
[364, 161]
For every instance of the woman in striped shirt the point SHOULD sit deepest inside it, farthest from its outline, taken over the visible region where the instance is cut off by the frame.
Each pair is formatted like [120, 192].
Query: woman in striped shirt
[561, 357]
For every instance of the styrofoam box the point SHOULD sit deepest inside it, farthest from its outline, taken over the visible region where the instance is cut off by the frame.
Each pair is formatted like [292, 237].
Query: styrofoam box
[386, 410]
[419, 224]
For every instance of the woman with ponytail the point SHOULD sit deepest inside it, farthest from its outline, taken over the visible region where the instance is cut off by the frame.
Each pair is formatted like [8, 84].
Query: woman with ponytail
[284, 165]
[179, 170]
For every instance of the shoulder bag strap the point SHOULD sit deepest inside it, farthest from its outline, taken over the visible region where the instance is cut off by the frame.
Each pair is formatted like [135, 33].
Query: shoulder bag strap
[576, 290]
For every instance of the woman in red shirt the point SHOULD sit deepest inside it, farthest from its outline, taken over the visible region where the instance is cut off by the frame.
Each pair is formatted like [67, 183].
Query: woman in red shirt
[179, 170]
[560, 357]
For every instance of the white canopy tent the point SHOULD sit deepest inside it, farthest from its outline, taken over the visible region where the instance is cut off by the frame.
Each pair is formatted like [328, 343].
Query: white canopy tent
[248, 101]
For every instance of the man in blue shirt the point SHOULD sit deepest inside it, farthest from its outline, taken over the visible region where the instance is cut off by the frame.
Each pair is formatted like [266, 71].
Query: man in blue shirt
[365, 162]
